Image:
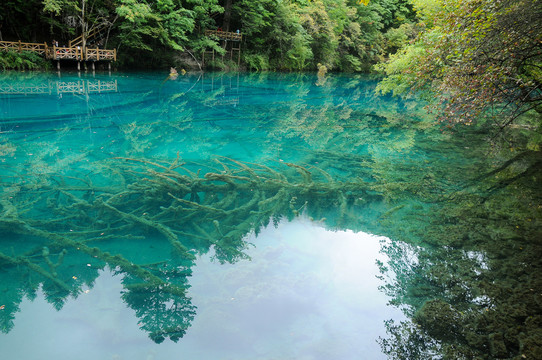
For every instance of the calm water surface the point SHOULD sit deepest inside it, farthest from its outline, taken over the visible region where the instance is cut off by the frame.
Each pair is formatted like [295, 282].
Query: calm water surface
[225, 216]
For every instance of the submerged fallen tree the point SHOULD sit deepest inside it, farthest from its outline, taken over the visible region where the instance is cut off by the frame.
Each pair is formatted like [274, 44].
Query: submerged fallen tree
[130, 195]
[74, 215]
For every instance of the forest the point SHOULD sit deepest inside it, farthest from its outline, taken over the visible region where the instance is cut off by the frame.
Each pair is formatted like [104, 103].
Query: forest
[477, 64]
[342, 35]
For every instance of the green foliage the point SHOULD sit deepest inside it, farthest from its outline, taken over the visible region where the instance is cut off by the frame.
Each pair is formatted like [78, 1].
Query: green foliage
[407, 342]
[318, 23]
[19, 17]
[344, 35]
[396, 38]
[276, 37]
[404, 70]
[256, 62]
[291, 50]
[463, 283]
[164, 27]
[165, 22]
[70, 18]
[57, 7]
[480, 58]
[22, 61]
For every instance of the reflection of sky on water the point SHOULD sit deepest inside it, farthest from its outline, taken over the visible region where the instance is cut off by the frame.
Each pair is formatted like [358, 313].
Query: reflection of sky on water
[308, 293]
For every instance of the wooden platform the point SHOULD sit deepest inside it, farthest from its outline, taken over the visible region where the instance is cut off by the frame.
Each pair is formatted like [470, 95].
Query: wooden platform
[61, 53]
[224, 35]
[19, 46]
[231, 42]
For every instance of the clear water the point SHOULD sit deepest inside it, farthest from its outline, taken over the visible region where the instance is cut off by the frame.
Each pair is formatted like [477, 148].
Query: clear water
[226, 216]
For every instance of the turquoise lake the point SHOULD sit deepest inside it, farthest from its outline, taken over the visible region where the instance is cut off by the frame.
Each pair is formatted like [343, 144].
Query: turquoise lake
[257, 216]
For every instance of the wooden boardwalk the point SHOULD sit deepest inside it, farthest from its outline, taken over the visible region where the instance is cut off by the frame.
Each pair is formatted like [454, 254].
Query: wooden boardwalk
[231, 41]
[19, 46]
[73, 52]
[224, 35]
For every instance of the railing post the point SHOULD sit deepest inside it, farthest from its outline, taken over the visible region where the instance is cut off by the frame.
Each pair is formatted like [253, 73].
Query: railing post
[239, 55]
[20, 47]
[97, 54]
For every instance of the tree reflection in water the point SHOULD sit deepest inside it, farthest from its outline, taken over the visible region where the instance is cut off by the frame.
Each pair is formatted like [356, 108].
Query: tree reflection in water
[148, 194]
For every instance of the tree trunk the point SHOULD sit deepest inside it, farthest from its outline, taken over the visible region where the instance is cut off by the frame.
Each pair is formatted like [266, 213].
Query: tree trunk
[227, 15]
[84, 26]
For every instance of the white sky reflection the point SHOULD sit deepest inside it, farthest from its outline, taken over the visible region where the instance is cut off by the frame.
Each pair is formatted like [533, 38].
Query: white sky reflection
[307, 294]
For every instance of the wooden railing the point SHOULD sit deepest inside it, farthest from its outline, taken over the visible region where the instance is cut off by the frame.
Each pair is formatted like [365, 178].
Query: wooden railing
[78, 41]
[60, 52]
[64, 53]
[19, 46]
[100, 54]
[234, 45]
[224, 35]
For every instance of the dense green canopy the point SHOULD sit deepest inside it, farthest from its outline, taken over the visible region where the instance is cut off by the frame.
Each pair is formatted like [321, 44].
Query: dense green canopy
[348, 35]
[482, 57]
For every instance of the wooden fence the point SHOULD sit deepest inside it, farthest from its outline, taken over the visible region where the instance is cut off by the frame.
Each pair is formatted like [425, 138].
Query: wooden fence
[60, 52]
[100, 54]
[19, 46]
[224, 35]
[64, 53]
